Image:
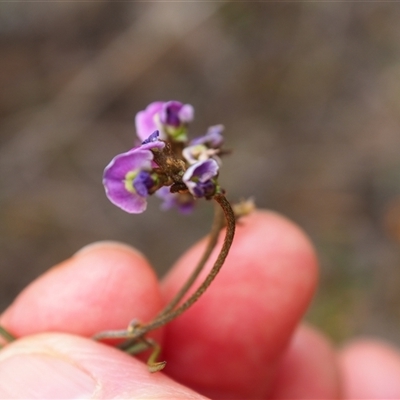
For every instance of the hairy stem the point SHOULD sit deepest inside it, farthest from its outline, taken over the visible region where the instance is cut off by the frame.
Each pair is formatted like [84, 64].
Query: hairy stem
[136, 331]
[217, 225]
[229, 235]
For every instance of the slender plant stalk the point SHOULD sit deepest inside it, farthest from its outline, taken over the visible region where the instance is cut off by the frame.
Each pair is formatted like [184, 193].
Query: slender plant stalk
[137, 331]
[217, 225]
[229, 235]
[6, 335]
[152, 363]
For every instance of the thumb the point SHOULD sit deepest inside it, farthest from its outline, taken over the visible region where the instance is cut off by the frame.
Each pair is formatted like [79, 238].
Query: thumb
[49, 366]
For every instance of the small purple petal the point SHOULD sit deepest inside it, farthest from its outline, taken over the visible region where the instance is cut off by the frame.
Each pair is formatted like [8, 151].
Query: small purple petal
[213, 137]
[200, 152]
[186, 113]
[198, 177]
[152, 142]
[118, 179]
[203, 189]
[143, 183]
[152, 138]
[167, 117]
[174, 113]
[146, 120]
[169, 113]
[201, 171]
[121, 164]
[184, 202]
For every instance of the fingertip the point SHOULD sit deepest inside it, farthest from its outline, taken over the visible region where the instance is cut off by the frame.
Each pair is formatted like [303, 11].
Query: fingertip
[240, 326]
[370, 369]
[108, 245]
[103, 286]
[263, 240]
[279, 232]
[308, 368]
[50, 366]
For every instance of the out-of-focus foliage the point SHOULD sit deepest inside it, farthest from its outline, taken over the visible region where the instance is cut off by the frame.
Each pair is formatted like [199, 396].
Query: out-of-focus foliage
[310, 97]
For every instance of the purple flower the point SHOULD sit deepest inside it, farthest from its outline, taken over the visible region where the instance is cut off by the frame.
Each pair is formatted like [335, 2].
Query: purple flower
[174, 113]
[200, 152]
[212, 139]
[152, 142]
[146, 120]
[143, 183]
[190, 171]
[184, 202]
[154, 137]
[199, 178]
[127, 179]
[170, 118]
[206, 146]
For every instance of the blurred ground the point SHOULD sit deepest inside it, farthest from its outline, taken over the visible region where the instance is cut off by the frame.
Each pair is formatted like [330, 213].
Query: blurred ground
[310, 97]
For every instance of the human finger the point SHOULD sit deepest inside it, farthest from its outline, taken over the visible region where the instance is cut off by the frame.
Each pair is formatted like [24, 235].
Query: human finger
[308, 368]
[104, 286]
[370, 369]
[227, 344]
[62, 366]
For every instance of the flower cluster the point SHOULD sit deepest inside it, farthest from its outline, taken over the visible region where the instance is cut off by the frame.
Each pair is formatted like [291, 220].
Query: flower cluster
[166, 163]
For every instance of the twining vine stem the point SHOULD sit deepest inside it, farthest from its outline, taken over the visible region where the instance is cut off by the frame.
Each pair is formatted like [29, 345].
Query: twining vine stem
[218, 223]
[137, 330]
[135, 334]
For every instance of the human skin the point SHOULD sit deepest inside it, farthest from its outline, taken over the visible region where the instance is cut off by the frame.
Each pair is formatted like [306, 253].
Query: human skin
[243, 339]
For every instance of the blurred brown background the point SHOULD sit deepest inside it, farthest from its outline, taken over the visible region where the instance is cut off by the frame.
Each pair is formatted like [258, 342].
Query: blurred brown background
[310, 97]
